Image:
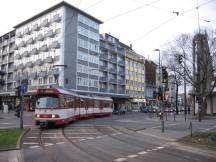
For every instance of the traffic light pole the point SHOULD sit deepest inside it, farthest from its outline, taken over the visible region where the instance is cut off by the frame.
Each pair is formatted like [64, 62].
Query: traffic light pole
[21, 110]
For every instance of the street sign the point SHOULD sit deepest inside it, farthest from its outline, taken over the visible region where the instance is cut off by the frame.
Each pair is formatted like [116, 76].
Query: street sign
[24, 88]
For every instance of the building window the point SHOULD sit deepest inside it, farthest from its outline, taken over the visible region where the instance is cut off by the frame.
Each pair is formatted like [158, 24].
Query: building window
[51, 80]
[40, 81]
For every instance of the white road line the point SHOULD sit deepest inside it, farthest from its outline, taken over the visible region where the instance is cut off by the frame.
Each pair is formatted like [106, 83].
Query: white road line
[142, 152]
[98, 137]
[52, 137]
[120, 159]
[132, 156]
[82, 140]
[31, 147]
[82, 133]
[30, 143]
[149, 150]
[59, 143]
[160, 147]
[48, 144]
[31, 137]
[155, 149]
[81, 137]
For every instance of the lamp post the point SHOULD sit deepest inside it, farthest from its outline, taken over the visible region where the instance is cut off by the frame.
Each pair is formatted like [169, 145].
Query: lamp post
[161, 104]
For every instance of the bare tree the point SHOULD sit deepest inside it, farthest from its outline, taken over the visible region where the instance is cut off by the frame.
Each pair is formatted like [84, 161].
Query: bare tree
[199, 53]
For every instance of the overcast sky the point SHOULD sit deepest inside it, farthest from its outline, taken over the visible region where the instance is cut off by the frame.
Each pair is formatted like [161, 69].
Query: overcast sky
[132, 21]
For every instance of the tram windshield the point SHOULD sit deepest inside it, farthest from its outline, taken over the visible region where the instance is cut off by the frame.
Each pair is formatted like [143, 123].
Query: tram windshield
[47, 102]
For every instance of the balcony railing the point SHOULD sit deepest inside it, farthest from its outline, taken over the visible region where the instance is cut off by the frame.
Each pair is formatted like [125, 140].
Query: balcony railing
[112, 70]
[44, 48]
[33, 76]
[112, 91]
[45, 23]
[30, 41]
[56, 18]
[55, 45]
[29, 64]
[35, 27]
[103, 57]
[18, 56]
[42, 74]
[113, 60]
[50, 34]
[40, 37]
[121, 82]
[113, 81]
[26, 54]
[26, 31]
[39, 62]
[103, 68]
[34, 51]
[121, 63]
[22, 44]
[121, 73]
[103, 79]
[19, 35]
[49, 60]
[20, 66]
[103, 89]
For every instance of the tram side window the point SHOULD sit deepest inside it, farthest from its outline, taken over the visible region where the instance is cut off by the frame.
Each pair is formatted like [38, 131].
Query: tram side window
[101, 104]
[107, 104]
[91, 103]
[77, 102]
[96, 104]
[70, 103]
[82, 103]
[62, 101]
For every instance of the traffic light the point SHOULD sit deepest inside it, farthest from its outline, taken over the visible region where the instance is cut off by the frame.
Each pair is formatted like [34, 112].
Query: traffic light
[180, 59]
[164, 75]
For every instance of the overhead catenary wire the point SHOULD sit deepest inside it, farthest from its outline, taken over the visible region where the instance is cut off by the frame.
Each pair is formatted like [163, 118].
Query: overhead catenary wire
[169, 20]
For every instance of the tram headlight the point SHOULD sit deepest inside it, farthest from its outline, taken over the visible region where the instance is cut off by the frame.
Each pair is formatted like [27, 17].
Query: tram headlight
[53, 116]
[38, 115]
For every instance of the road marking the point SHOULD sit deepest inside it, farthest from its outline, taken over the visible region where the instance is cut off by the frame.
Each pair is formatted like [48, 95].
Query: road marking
[59, 143]
[132, 156]
[142, 152]
[81, 137]
[81, 133]
[98, 137]
[82, 140]
[34, 147]
[120, 159]
[160, 147]
[30, 143]
[52, 137]
[31, 137]
[149, 150]
[152, 135]
[48, 144]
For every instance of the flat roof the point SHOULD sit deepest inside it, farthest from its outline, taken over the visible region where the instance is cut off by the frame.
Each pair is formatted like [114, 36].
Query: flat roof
[63, 3]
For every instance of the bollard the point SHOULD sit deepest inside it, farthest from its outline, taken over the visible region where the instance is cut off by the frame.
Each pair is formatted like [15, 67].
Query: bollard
[174, 116]
[191, 129]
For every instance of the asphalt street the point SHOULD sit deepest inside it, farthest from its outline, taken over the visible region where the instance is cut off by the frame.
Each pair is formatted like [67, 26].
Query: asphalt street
[132, 137]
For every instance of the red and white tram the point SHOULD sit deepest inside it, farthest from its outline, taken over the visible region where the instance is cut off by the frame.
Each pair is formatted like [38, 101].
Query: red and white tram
[59, 106]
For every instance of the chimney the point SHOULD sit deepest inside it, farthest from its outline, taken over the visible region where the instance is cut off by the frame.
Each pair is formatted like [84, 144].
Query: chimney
[130, 46]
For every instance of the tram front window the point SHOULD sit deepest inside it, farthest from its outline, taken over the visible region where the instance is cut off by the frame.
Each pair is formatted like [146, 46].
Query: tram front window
[47, 102]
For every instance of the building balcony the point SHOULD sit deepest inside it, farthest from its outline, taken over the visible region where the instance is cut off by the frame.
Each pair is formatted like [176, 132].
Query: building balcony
[42, 74]
[121, 63]
[11, 59]
[103, 68]
[10, 80]
[35, 27]
[50, 34]
[29, 64]
[19, 35]
[121, 52]
[113, 60]
[18, 56]
[20, 66]
[53, 72]
[40, 37]
[103, 79]
[34, 51]
[121, 73]
[45, 23]
[26, 31]
[112, 91]
[112, 48]
[44, 48]
[121, 82]
[22, 44]
[103, 89]
[103, 57]
[4, 52]
[55, 45]
[113, 81]
[14, 47]
[12, 40]
[56, 18]
[32, 75]
[24, 77]
[112, 70]
[11, 68]
[30, 41]
[121, 92]
[39, 62]
[26, 54]
[49, 60]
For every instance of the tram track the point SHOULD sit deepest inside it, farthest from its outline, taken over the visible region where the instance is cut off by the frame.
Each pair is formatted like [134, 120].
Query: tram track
[80, 148]
[46, 151]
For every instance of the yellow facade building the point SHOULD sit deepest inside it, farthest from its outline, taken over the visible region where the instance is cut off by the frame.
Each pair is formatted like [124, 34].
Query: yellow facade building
[135, 74]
